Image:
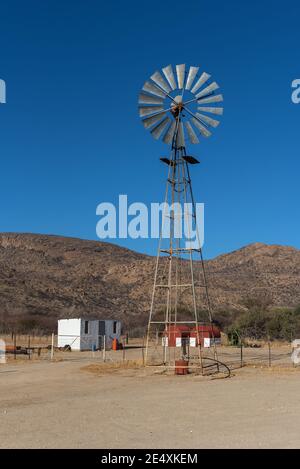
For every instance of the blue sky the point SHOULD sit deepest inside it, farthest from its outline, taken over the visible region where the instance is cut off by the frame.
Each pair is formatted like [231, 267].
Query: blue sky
[70, 133]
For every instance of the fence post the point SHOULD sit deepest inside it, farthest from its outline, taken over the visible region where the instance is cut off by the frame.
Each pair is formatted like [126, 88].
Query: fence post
[124, 346]
[52, 346]
[28, 348]
[104, 346]
[241, 345]
[143, 352]
[15, 346]
[269, 347]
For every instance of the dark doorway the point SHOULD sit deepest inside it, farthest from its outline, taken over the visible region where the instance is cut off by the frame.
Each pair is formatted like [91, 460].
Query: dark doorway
[101, 327]
[185, 342]
[101, 334]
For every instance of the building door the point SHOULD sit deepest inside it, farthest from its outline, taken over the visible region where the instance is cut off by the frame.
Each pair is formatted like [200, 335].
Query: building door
[101, 334]
[185, 341]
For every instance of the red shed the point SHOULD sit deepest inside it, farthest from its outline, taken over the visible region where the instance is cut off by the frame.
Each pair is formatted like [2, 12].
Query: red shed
[177, 334]
[208, 334]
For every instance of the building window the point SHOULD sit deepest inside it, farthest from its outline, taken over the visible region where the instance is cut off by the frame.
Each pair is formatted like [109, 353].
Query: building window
[86, 327]
[115, 327]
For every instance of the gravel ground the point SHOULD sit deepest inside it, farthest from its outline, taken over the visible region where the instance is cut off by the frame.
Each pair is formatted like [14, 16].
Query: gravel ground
[63, 405]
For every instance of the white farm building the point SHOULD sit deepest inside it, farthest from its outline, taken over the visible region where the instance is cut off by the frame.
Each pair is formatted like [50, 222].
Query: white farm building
[87, 334]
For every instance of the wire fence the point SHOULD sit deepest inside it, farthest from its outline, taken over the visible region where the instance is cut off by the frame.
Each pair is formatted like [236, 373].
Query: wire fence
[266, 355]
[31, 347]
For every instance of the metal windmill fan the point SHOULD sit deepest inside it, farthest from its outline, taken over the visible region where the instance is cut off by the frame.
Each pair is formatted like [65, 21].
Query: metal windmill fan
[169, 105]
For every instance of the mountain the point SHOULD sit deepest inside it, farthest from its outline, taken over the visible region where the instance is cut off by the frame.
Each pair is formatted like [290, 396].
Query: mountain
[44, 277]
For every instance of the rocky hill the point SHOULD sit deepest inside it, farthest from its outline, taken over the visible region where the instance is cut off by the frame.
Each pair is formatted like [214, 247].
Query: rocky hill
[44, 277]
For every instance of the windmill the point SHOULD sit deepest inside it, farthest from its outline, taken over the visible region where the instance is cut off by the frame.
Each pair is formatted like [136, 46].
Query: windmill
[173, 105]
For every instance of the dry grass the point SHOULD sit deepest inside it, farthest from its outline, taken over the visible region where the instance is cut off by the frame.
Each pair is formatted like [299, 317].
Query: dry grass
[277, 368]
[112, 367]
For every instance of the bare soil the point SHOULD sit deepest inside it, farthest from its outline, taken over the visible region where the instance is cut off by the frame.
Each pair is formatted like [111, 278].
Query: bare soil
[79, 402]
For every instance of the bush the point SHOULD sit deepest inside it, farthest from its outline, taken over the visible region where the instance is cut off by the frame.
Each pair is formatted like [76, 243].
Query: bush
[276, 324]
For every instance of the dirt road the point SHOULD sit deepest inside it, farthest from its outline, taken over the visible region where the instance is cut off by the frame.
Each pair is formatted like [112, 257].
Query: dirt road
[58, 405]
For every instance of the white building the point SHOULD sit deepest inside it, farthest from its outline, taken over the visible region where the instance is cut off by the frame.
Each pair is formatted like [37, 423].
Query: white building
[87, 334]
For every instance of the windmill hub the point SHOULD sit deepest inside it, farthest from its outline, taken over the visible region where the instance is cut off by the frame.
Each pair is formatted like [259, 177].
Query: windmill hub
[178, 99]
[177, 106]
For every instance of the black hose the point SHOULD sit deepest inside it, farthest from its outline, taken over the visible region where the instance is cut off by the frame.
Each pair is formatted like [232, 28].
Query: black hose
[219, 363]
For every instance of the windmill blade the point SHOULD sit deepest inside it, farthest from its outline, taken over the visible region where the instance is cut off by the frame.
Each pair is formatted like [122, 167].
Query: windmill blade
[153, 89]
[180, 136]
[203, 79]
[211, 110]
[212, 99]
[191, 76]
[203, 130]
[191, 133]
[208, 120]
[209, 89]
[168, 72]
[158, 129]
[147, 99]
[158, 79]
[148, 110]
[180, 69]
[168, 137]
[149, 121]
